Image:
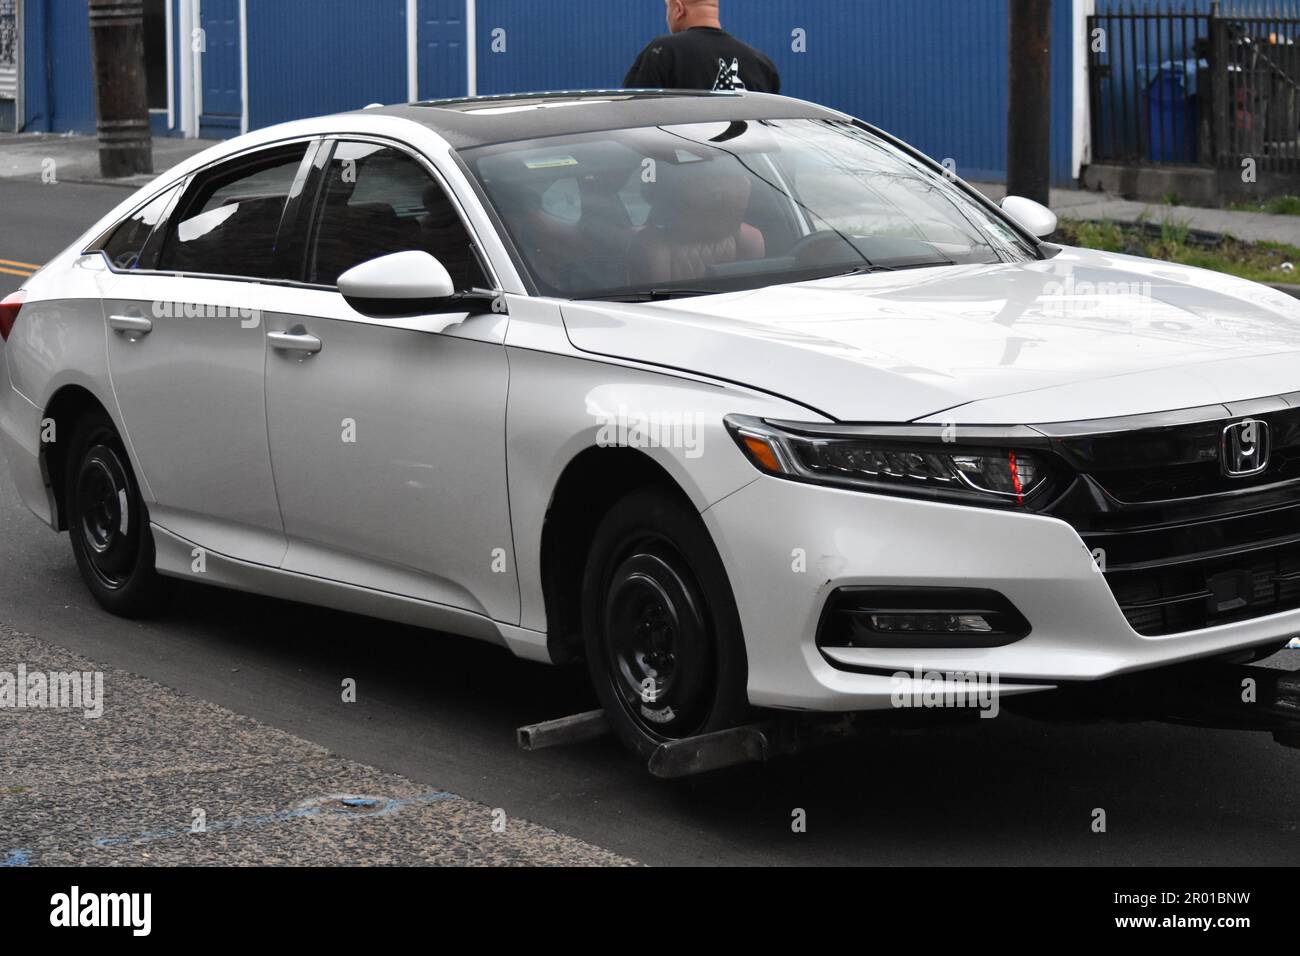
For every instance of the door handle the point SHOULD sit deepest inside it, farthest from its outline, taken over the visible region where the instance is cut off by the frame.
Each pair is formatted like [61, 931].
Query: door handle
[293, 342]
[130, 323]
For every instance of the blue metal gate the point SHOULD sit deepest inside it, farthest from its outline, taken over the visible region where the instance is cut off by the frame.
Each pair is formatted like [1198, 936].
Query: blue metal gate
[9, 65]
[223, 101]
[443, 70]
[72, 95]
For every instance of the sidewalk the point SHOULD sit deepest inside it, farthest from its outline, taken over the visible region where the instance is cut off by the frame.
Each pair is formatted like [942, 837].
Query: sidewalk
[1246, 226]
[162, 779]
[75, 159]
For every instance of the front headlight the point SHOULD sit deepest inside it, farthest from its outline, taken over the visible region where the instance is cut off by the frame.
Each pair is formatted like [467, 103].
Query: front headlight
[920, 461]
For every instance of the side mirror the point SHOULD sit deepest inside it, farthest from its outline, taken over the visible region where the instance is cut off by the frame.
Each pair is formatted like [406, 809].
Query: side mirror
[407, 283]
[1035, 218]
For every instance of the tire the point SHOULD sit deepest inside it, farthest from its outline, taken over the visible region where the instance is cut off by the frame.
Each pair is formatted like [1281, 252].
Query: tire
[108, 522]
[662, 634]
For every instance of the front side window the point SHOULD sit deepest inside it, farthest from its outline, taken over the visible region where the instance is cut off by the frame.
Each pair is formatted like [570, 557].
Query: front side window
[228, 220]
[725, 206]
[377, 200]
[125, 246]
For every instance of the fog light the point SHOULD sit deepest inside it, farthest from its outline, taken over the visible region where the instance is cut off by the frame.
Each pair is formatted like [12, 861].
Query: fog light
[932, 623]
[919, 617]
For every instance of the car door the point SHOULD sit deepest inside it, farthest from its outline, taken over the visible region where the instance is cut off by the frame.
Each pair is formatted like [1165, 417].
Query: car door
[388, 435]
[187, 353]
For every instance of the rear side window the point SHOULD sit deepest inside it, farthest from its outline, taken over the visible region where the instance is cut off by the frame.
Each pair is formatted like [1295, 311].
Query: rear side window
[126, 244]
[378, 200]
[228, 220]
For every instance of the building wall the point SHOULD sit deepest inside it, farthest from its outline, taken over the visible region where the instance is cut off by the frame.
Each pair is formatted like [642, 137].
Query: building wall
[933, 72]
[308, 57]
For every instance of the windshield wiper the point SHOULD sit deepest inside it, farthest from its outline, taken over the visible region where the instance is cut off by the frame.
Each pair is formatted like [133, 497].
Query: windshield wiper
[649, 295]
[859, 271]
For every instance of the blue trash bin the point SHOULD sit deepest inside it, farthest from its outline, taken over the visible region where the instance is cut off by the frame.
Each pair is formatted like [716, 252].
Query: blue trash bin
[1172, 120]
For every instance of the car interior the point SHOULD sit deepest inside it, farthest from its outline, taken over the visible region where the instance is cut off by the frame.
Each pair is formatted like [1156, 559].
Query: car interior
[657, 209]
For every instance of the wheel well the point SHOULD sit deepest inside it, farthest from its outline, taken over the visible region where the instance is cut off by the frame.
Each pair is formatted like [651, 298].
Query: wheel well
[69, 406]
[588, 488]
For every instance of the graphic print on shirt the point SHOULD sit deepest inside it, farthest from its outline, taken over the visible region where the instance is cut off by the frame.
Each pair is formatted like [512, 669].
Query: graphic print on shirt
[728, 75]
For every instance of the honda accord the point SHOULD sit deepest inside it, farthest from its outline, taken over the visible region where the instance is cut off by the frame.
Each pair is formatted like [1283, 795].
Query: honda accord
[739, 399]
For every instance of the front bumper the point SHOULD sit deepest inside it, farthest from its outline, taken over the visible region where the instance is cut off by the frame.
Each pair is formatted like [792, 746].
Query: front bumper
[787, 546]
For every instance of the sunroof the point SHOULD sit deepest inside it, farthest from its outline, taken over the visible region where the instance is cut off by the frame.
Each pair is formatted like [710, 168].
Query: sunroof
[495, 105]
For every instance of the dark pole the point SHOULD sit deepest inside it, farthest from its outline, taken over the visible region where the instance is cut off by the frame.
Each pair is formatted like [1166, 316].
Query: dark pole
[121, 96]
[1029, 123]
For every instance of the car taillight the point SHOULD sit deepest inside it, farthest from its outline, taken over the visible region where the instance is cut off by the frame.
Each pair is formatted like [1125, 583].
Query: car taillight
[9, 307]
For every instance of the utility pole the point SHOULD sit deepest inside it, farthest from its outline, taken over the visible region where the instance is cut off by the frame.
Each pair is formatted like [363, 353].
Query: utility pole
[1029, 123]
[121, 93]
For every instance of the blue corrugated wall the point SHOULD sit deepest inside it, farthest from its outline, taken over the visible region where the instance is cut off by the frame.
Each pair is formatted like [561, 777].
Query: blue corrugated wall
[307, 57]
[58, 87]
[590, 47]
[933, 72]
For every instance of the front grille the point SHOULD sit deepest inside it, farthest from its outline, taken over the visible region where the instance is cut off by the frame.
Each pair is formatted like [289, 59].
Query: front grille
[1194, 480]
[1173, 598]
[1182, 545]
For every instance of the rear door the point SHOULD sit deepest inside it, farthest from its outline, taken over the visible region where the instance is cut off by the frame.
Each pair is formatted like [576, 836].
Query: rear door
[187, 351]
[388, 435]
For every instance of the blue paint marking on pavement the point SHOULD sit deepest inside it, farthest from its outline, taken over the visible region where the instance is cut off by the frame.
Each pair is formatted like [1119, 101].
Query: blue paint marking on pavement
[16, 858]
[354, 807]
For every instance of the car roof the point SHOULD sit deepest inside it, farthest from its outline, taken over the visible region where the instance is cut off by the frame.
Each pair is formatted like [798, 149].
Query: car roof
[487, 120]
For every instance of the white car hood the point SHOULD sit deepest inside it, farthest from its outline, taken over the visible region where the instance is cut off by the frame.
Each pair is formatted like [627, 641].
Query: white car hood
[1083, 335]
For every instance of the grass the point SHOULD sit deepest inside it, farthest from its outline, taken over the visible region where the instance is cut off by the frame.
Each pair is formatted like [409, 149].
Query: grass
[1277, 206]
[1172, 242]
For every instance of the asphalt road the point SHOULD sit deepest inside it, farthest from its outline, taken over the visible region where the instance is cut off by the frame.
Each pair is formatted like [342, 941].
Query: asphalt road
[442, 710]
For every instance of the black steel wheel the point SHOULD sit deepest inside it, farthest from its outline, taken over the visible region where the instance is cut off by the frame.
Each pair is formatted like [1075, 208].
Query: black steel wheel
[663, 638]
[107, 521]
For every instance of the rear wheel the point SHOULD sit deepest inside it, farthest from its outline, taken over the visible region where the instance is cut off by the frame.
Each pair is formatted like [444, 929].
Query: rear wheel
[107, 521]
[663, 637]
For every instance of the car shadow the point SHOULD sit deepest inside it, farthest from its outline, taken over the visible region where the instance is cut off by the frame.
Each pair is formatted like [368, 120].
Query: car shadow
[443, 709]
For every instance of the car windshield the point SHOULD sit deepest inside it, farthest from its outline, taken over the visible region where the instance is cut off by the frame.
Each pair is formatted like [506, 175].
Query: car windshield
[682, 210]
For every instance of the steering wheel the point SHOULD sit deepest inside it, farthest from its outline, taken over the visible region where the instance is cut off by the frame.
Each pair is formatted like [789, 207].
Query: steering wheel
[818, 248]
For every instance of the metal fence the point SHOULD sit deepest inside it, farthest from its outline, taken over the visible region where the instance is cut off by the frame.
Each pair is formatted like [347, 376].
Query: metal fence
[8, 64]
[1188, 86]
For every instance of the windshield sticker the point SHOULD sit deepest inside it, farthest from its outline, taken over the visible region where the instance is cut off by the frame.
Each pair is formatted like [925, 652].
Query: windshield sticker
[551, 162]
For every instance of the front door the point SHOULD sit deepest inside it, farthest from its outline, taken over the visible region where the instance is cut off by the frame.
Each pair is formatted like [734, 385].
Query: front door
[388, 435]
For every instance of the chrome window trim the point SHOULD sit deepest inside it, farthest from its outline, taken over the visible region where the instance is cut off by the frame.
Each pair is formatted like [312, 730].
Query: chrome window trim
[185, 182]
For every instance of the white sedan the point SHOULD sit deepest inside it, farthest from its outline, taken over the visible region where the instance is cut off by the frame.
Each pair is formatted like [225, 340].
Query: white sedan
[742, 400]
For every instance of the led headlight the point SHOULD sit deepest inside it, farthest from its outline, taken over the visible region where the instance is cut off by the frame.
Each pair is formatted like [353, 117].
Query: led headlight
[911, 460]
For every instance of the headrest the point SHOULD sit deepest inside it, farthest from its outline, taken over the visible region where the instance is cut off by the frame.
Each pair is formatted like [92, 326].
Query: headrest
[702, 205]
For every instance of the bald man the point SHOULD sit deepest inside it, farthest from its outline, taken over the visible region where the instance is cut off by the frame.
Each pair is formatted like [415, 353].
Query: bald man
[698, 54]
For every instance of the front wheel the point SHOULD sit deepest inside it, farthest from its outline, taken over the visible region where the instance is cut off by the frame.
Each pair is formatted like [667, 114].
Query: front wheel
[107, 521]
[663, 637]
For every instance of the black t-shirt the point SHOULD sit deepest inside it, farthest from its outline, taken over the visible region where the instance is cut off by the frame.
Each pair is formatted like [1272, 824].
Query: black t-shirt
[702, 58]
